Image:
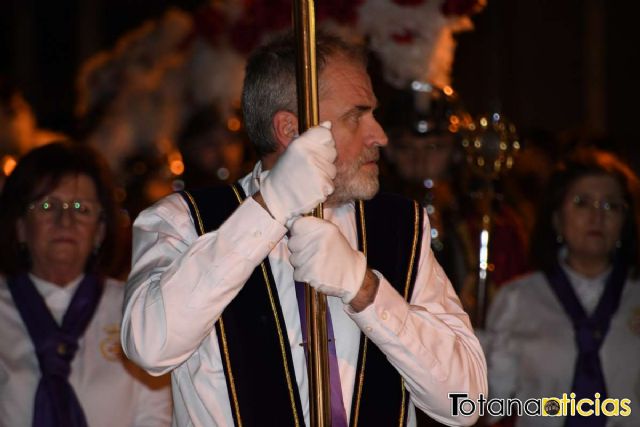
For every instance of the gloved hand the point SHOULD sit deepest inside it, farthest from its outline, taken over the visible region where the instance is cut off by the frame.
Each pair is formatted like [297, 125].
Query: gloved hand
[322, 257]
[303, 175]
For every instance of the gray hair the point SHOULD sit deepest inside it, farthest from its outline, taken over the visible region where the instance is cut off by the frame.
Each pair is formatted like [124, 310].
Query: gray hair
[270, 82]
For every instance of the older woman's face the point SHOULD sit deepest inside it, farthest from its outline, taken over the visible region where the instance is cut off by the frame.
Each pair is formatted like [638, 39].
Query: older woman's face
[591, 217]
[62, 228]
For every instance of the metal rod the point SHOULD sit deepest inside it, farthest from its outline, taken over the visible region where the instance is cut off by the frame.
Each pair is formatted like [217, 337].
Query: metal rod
[483, 257]
[316, 346]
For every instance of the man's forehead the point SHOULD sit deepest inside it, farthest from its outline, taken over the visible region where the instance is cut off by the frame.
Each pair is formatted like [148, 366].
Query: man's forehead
[342, 76]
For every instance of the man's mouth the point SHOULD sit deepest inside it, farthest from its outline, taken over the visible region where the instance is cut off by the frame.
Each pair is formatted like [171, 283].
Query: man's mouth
[371, 159]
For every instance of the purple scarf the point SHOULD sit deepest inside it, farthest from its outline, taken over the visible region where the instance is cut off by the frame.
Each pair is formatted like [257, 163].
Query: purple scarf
[338, 414]
[590, 333]
[56, 404]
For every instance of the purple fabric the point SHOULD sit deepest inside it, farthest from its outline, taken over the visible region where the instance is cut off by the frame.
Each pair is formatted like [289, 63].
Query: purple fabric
[590, 332]
[56, 404]
[338, 414]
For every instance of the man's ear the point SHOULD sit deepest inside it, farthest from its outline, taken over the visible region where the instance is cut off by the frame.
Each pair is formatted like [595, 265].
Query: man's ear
[285, 127]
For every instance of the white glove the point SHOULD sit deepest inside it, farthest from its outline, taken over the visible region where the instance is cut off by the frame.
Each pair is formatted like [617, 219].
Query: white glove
[303, 175]
[322, 257]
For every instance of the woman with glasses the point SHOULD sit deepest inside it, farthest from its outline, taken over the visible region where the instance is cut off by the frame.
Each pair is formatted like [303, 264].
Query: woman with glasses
[573, 326]
[60, 357]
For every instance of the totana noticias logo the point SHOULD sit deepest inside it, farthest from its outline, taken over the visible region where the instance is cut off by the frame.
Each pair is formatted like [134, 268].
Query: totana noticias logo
[567, 405]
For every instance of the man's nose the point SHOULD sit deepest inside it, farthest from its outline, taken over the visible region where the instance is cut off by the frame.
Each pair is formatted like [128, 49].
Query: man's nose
[377, 136]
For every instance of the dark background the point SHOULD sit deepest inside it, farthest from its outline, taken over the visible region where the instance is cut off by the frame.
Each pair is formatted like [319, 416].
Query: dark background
[563, 68]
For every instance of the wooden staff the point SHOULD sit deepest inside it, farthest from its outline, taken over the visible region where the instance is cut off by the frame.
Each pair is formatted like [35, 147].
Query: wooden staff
[316, 346]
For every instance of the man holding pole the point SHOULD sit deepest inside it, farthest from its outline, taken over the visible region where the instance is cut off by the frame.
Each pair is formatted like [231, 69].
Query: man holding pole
[214, 293]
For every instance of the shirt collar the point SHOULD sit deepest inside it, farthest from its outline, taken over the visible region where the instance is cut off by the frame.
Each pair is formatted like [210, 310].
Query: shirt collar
[589, 290]
[57, 298]
[47, 288]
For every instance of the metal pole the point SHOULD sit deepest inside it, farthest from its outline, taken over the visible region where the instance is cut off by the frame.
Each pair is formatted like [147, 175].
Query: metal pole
[316, 346]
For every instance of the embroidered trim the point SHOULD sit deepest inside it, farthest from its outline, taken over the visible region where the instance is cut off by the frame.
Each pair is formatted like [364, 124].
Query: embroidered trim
[363, 228]
[279, 329]
[237, 193]
[197, 211]
[282, 348]
[363, 231]
[223, 335]
[232, 382]
[414, 244]
[360, 382]
[404, 400]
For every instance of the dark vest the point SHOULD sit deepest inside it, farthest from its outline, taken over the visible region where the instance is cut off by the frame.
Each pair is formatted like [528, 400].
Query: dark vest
[252, 334]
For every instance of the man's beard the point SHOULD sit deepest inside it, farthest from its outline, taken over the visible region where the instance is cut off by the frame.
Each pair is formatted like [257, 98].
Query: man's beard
[352, 182]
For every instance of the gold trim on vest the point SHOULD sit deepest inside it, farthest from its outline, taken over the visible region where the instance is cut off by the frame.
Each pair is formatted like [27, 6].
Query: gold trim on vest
[410, 267]
[220, 323]
[197, 211]
[414, 245]
[283, 351]
[363, 232]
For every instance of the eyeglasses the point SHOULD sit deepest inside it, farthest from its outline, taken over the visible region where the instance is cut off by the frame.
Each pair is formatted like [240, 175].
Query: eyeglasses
[609, 207]
[51, 208]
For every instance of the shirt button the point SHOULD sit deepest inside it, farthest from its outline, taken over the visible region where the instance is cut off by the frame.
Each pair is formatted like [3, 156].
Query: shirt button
[368, 329]
[257, 234]
[384, 315]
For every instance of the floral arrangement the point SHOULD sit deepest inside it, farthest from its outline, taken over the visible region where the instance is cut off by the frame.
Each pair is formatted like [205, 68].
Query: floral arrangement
[414, 38]
[140, 93]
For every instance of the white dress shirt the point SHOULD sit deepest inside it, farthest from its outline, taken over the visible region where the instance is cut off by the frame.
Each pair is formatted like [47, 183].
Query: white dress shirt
[180, 284]
[112, 391]
[531, 348]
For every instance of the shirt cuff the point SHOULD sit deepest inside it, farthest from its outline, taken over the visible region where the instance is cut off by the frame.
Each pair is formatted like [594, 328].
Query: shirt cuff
[385, 318]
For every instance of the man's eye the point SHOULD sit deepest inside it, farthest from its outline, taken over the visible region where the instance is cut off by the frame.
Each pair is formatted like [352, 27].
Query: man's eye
[354, 117]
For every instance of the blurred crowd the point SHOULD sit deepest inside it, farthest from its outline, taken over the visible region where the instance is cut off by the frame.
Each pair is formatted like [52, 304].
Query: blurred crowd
[537, 233]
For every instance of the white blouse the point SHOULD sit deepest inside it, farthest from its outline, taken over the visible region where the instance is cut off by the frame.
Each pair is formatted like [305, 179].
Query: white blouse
[531, 349]
[112, 391]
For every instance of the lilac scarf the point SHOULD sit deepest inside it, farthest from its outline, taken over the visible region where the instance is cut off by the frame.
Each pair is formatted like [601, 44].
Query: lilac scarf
[590, 333]
[338, 414]
[56, 404]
